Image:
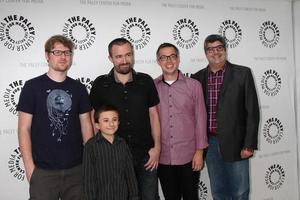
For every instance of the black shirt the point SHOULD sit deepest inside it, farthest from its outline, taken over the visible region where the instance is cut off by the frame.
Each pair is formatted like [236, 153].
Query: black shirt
[133, 101]
[108, 172]
[55, 133]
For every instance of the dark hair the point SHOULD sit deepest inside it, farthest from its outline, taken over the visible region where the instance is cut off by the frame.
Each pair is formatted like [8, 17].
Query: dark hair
[213, 38]
[118, 41]
[58, 39]
[102, 109]
[163, 45]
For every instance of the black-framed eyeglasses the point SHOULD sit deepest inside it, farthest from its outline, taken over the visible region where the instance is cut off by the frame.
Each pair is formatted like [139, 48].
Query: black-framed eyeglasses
[59, 52]
[218, 48]
[172, 57]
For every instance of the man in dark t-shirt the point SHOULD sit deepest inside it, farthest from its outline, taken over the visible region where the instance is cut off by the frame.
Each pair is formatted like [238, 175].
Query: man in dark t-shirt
[135, 96]
[54, 123]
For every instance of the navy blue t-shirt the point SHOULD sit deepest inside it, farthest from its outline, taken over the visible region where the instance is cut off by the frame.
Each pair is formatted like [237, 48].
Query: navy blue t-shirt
[55, 130]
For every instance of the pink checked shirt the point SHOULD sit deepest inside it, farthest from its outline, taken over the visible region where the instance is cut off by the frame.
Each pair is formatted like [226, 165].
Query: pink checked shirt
[183, 119]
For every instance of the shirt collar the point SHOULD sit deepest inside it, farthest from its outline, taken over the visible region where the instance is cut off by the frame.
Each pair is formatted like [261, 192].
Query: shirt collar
[180, 77]
[100, 138]
[222, 70]
[112, 75]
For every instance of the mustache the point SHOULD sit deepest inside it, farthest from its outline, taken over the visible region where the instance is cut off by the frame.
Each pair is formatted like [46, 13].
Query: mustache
[123, 64]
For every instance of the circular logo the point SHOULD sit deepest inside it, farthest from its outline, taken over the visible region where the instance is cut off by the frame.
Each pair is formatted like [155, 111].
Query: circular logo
[16, 32]
[273, 130]
[269, 34]
[202, 191]
[15, 165]
[271, 82]
[232, 33]
[186, 33]
[137, 31]
[87, 82]
[274, 177]
[11, 96]
[81, 31]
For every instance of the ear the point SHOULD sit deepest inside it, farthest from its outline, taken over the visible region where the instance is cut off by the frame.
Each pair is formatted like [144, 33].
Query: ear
[110, 59]
[47, 56]
[97, 125]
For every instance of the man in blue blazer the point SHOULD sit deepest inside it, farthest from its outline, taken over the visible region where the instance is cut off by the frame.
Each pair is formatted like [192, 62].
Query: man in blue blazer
[233, 120]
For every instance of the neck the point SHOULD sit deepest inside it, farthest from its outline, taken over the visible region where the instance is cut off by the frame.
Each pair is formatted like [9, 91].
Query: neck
[123, 78]
[57, 76]
[215, 68]
[171, 77]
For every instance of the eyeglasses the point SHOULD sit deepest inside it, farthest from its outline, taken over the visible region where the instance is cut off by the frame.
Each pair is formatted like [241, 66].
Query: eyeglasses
[218, 48]
[172, 57]
[59, 52]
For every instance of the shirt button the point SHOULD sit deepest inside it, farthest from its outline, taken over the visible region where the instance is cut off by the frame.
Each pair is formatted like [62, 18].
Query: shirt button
[171, 136]
[128, 123]
[171, 126]
[126, 110]
[170, 106]
[125, 91]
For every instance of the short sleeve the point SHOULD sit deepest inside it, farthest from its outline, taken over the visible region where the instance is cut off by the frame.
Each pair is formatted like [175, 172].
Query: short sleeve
[27, 99]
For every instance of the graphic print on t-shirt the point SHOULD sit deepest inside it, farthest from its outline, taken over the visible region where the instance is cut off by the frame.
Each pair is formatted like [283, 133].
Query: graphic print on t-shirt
[59, 104]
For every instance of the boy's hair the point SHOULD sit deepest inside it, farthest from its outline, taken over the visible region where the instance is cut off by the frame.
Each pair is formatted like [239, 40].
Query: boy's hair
[166, 44]
[58, 39]
[102, 109]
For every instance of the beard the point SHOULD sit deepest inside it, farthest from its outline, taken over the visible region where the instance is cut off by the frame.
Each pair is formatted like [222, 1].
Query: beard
[123, 68]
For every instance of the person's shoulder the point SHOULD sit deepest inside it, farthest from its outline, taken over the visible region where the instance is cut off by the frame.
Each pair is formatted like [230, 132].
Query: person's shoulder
[91, 142]
[199, 73]
[144, 76]
[36, 81]
[192, 81]
[239, 68]
[75, 83]
[158, 79]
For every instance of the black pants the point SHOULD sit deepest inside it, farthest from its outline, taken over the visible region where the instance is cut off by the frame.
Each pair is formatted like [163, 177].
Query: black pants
[179, 181]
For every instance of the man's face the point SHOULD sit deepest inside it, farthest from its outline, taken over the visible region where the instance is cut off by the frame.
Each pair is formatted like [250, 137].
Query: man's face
[122, 58]
[168, 60]
[216, 54]
[60, 58]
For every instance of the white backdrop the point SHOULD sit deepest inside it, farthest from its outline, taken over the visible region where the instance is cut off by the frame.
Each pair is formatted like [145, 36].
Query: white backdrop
[259, 33]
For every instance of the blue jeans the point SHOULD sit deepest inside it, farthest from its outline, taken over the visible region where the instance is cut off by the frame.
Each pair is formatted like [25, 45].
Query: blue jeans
[228, 180]
[147, 181]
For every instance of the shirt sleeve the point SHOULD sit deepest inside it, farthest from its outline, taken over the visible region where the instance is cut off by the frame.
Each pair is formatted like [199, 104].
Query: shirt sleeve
[200, 117]
[153, 99]
[95, 93]
[130, 175]
[89, 183]
[85, 104]
[27, 99]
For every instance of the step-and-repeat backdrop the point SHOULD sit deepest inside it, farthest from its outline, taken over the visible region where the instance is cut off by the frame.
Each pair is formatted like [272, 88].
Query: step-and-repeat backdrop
[259, 35]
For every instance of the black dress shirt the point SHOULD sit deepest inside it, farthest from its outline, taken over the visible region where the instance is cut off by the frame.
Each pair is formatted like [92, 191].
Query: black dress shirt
[133, 101]
[108, 171]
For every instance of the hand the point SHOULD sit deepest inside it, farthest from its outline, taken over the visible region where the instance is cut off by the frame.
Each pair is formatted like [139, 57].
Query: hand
[152, 163]
[197, 163]
[246, 153]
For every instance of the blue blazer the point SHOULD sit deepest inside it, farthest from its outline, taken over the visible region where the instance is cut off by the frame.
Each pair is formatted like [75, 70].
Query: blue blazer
[237, 110]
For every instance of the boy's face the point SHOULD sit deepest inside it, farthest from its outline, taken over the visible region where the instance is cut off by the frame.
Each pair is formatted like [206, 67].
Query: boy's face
[108, 122]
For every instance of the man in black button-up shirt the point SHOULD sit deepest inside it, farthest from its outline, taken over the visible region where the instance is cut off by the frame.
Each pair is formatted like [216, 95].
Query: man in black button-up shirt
[135, 96]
